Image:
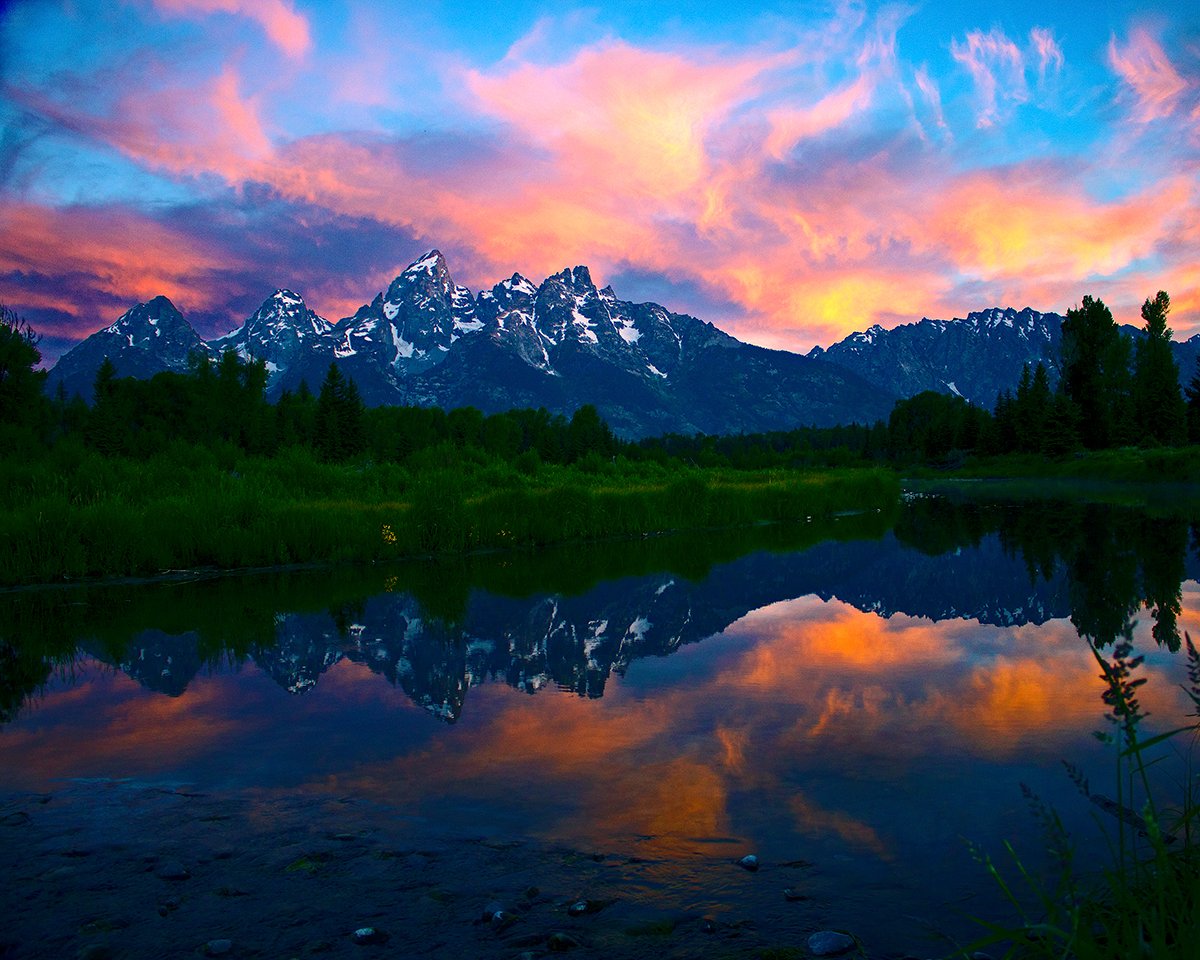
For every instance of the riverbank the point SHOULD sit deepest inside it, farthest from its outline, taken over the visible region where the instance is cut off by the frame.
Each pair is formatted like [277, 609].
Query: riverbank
[93, 516]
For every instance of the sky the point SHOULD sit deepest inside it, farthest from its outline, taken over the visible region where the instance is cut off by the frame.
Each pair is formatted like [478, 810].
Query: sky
[791, 172]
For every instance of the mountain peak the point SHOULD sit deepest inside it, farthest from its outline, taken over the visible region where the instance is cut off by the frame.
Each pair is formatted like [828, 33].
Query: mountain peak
[433, 262]
[576, 277]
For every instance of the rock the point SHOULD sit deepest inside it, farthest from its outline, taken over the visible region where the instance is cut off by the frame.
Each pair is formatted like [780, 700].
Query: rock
[792, 894]
[708, 925]
[490, 911]
[749, 862]
[171, 870]
[218, 948]
[829, 943]
[578, 908]
[561, 942]
[366, 936]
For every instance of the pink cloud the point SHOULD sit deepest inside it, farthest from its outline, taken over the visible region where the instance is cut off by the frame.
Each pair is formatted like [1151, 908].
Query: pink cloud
[1049, 53]
[997, 66]
[286, 28]
[790, 125]
[642, 116]
[1142, 63]
[932, 94]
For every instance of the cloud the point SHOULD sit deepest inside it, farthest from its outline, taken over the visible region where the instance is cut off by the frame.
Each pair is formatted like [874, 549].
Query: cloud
[1049, 53]
[286, 28]
[1157, 87]
[997, 67]
[790, 125]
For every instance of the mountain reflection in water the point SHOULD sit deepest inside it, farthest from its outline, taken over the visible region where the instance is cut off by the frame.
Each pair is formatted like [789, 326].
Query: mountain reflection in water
[863, 702]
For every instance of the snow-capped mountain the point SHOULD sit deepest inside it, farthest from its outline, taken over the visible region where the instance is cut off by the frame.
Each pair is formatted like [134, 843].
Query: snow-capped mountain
[149, 338]
[428, 341]
[286, 335]
[976, 358]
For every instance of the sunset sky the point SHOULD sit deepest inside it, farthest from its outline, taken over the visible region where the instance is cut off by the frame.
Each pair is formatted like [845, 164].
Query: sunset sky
[790, 171]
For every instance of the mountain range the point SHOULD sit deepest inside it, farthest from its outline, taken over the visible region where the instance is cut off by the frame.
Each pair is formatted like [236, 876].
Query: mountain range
[427, 341]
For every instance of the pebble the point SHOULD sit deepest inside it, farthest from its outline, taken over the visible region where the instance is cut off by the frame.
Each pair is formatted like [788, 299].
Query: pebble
[491, 910]
[709, 925]
[578, 908]
[560, 942]
[749, 862]
[217, 948]
[365, 936]
[792, 894]
[829, 943]
[171, 870]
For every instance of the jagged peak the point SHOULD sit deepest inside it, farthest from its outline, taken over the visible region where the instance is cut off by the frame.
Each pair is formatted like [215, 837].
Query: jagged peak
[432, 262]
[578, 276]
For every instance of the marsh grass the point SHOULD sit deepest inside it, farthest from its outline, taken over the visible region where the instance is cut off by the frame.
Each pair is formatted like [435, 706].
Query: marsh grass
[1146, 902]
[75, 515]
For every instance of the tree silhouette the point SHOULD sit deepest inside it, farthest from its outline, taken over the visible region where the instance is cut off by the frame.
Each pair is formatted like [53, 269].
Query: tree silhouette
[339, 417]
[1158, 405]
[1095, 374]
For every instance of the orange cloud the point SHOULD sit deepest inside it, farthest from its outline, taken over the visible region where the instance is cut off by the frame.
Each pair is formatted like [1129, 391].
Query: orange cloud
[620, 115]
[124, 255]
[286, 28]
[1020, 223]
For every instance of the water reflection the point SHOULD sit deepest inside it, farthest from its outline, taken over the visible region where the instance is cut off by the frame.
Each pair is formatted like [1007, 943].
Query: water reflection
[858, 696]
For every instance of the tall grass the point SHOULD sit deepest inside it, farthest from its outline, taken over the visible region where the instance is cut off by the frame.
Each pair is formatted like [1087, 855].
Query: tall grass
[77, 515]
[1146, 902]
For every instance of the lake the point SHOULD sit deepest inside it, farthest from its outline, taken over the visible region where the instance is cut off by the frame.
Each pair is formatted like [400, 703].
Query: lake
[586, 740]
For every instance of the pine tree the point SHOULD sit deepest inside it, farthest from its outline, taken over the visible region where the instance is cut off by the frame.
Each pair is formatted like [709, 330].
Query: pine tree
[1095, 374]
[338, 427]
[1159, 409]
[22, 401]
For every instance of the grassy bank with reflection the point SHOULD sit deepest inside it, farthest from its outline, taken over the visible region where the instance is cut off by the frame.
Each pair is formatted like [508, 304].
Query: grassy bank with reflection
[74, 514]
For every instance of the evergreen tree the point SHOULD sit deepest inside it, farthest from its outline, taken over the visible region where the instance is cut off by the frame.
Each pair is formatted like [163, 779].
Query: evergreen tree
[106, 427]
[338, 422]
[22, 402]
[1161, 415]
[1095, 374]
[588, 433]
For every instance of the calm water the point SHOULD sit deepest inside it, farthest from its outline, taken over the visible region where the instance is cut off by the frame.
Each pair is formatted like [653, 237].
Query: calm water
[866, 705]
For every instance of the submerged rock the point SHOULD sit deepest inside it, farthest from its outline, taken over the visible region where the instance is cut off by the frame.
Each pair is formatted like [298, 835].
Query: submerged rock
[172, 870]
[829, 943]
[749, 862]
[364, 936]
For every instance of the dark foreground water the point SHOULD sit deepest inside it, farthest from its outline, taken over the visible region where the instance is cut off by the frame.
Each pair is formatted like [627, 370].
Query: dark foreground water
[279, 760]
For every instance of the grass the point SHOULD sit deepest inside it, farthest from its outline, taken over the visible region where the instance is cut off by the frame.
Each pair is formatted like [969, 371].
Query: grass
[75, 515]
[1146, 902]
